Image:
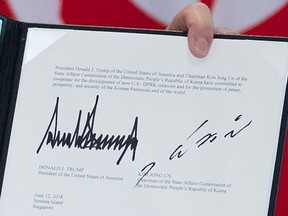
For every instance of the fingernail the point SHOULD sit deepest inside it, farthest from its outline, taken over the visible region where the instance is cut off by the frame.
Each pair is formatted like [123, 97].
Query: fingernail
[202, 47]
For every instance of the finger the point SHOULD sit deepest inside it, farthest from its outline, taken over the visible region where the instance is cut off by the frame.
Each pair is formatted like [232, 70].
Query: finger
[195, 18]
[226, 31]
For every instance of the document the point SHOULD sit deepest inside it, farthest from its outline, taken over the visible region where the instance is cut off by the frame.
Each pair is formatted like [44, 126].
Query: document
[130, 123]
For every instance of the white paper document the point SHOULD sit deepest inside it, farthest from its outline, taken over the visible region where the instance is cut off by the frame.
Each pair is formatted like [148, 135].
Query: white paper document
[113, 123]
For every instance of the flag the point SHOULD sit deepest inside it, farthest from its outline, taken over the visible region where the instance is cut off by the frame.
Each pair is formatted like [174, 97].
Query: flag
[255, 17]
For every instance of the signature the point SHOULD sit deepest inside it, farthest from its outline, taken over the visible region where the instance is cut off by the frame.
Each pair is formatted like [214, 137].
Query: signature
[203, 138]
[209, 137]
[88, 138]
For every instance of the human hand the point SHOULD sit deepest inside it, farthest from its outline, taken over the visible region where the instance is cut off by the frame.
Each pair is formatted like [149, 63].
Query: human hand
[196, 18]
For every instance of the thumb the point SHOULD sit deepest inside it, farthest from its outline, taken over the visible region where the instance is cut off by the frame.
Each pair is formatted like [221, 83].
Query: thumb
[195, 18]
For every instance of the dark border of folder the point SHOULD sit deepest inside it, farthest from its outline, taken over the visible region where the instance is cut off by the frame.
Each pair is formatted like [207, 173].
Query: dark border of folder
[13, 51]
